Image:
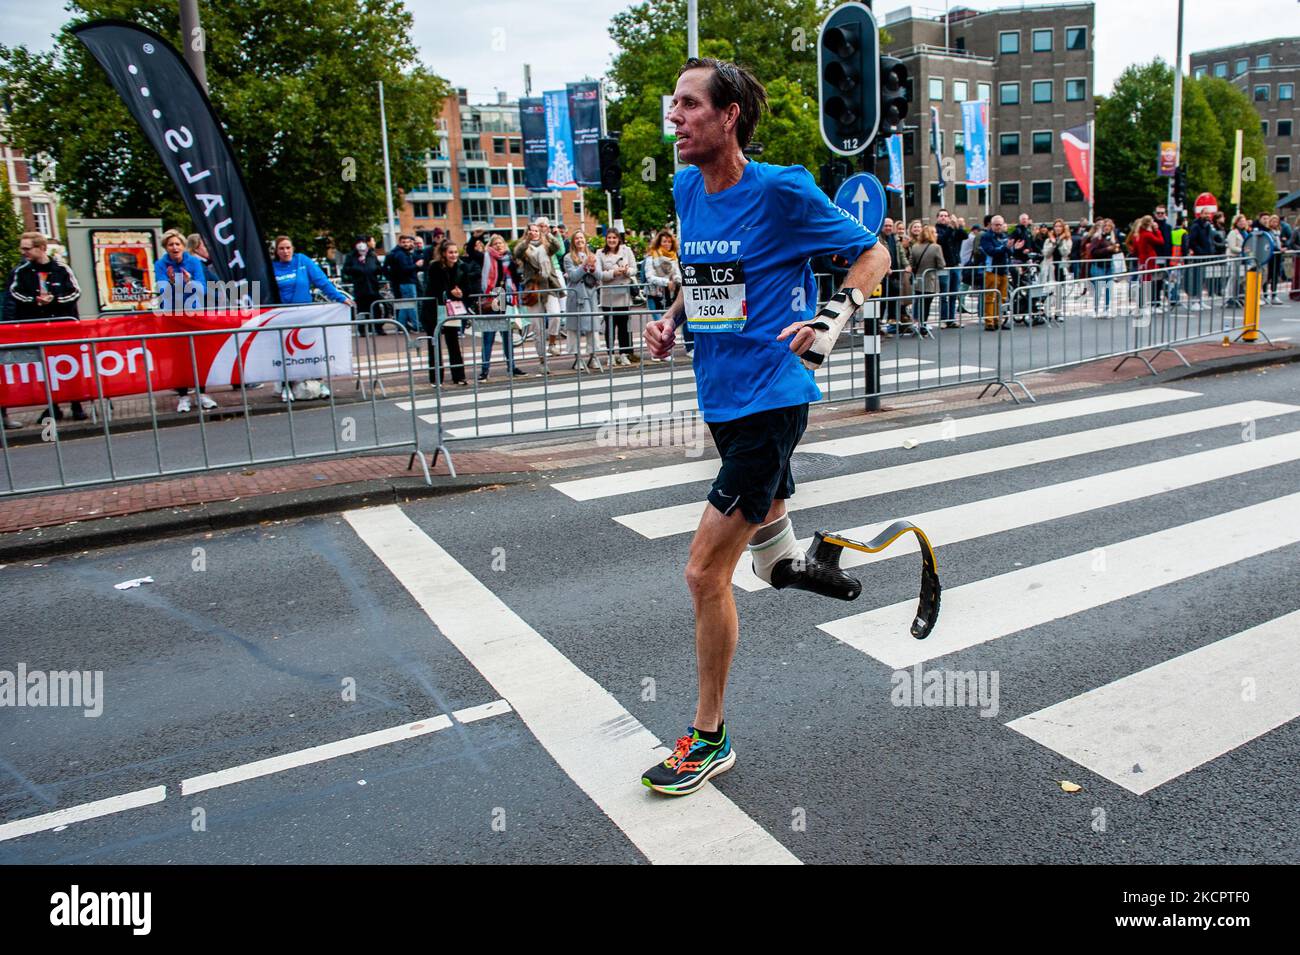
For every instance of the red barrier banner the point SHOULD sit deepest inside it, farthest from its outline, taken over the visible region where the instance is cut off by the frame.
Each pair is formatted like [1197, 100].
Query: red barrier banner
[268, 344]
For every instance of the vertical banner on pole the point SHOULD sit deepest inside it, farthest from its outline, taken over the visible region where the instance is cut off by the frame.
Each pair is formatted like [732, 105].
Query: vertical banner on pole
[532, 128]
[1236, 171]
[1078, 156]
[559, 141]
[894, 145]
[584, 117]
[936, 147]
[975, 125]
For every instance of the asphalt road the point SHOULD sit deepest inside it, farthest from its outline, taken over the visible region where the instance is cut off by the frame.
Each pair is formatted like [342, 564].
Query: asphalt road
[562, 639]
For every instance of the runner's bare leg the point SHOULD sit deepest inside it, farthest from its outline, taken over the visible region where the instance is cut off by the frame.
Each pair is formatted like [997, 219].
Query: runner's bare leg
[716, 549]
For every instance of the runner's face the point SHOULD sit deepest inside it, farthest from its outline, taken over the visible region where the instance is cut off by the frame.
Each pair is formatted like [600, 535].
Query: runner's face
[701, 129]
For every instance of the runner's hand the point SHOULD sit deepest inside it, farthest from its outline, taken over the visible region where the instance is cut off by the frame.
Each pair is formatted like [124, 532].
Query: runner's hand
[660, 335]
[803, 336]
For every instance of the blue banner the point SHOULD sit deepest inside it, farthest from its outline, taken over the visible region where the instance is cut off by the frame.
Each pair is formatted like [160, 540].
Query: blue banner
[584, 118]
[895, 146]
[560, 173]
[532, 127]
[975, 122]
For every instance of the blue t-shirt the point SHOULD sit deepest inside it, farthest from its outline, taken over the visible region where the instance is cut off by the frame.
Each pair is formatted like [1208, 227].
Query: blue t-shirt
[746, 276]
[297, 277]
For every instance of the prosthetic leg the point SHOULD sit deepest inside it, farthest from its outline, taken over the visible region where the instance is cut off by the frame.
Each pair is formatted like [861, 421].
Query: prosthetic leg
[777, 560]
[826, 549]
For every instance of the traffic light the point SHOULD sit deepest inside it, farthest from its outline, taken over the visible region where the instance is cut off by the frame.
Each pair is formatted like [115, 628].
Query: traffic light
[1180, 187]
[893, 95]
[611, 172]
[847, 50]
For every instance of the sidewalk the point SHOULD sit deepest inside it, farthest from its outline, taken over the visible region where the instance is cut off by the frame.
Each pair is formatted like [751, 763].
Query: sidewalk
[63, 521]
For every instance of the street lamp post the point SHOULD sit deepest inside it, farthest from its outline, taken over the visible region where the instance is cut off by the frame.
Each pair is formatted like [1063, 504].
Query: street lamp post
[191, 32]
[391, 239]
[1177, 127]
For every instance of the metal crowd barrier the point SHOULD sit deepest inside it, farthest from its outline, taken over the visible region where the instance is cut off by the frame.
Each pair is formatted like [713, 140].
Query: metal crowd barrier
[1053, 325]
[125, 454]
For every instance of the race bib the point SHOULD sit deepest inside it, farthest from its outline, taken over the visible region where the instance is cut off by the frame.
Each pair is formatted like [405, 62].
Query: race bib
[714, 294]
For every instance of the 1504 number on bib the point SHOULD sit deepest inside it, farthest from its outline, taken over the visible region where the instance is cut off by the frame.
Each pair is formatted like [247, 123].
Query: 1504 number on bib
[714, 295]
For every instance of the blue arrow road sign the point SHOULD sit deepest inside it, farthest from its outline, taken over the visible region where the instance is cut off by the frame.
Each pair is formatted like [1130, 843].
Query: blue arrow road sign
[863, 197]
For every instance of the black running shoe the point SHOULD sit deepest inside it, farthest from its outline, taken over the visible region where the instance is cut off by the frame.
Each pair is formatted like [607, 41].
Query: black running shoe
[693, 761]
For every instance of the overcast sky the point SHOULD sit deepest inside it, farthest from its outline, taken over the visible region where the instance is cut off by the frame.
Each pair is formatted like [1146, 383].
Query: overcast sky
[483, 44]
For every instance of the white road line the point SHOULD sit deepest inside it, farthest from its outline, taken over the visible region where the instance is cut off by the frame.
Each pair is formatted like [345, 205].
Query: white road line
[994, 515]
[988, 609]
[89, 810]
[632, 408]
[601, 746]
[681, 518]
[999, 421]
[627, 390]
[680, 377]
[343, 747]
[646, 479]
[1155, 725]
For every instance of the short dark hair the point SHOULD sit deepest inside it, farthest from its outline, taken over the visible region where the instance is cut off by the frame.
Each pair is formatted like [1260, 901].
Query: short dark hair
[729, 83]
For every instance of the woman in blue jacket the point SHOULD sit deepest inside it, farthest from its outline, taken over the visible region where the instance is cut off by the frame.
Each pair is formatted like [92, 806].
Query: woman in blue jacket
[296, 276]
[182, 285]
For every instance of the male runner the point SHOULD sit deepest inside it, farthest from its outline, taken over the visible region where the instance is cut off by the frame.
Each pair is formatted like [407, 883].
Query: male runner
[748, 230]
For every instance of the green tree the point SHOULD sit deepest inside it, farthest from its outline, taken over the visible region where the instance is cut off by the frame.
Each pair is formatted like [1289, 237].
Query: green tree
[776, 39]
[1134, 119]
[294, 84]
[1233, 111]
[10, 227]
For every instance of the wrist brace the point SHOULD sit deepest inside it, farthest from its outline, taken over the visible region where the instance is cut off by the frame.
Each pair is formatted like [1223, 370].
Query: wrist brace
[828, 323]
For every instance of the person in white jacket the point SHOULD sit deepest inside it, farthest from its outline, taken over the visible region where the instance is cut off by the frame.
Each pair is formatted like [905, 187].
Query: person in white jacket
[616, 265]
[583, 282]
[1237, 237]
[663, 276]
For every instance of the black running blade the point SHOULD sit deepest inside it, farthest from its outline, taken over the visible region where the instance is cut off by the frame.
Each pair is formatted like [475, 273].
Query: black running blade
[927, 610]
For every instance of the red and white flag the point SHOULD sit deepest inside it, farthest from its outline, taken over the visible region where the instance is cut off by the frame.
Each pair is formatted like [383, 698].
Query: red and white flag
[1078, 153]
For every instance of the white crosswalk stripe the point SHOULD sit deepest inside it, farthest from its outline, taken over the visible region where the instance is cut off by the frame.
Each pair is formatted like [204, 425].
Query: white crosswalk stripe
[679, 375]
[536, 416]
[1038, 505]
[995, 607]
[645, 479]
[681, 518]
[1140, 731]
[1147, 728]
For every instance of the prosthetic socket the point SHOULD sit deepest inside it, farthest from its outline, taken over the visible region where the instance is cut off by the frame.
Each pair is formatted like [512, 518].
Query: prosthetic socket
[779, 562]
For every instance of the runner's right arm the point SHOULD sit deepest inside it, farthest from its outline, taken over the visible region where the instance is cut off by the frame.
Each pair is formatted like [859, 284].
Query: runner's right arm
[661, 334]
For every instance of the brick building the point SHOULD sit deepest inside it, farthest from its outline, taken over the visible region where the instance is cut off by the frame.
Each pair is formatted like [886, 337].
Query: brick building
[1034, 65]
[33, 202]
[474, 177]
[1268, 72]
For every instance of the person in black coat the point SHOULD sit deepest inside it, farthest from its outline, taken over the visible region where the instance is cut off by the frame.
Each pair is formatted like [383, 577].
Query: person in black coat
[446, 280]
[43, 289]
[362, 270]
[951, 236]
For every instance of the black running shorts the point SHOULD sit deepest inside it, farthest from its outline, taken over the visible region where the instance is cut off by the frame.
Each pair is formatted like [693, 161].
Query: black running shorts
[755, 453]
